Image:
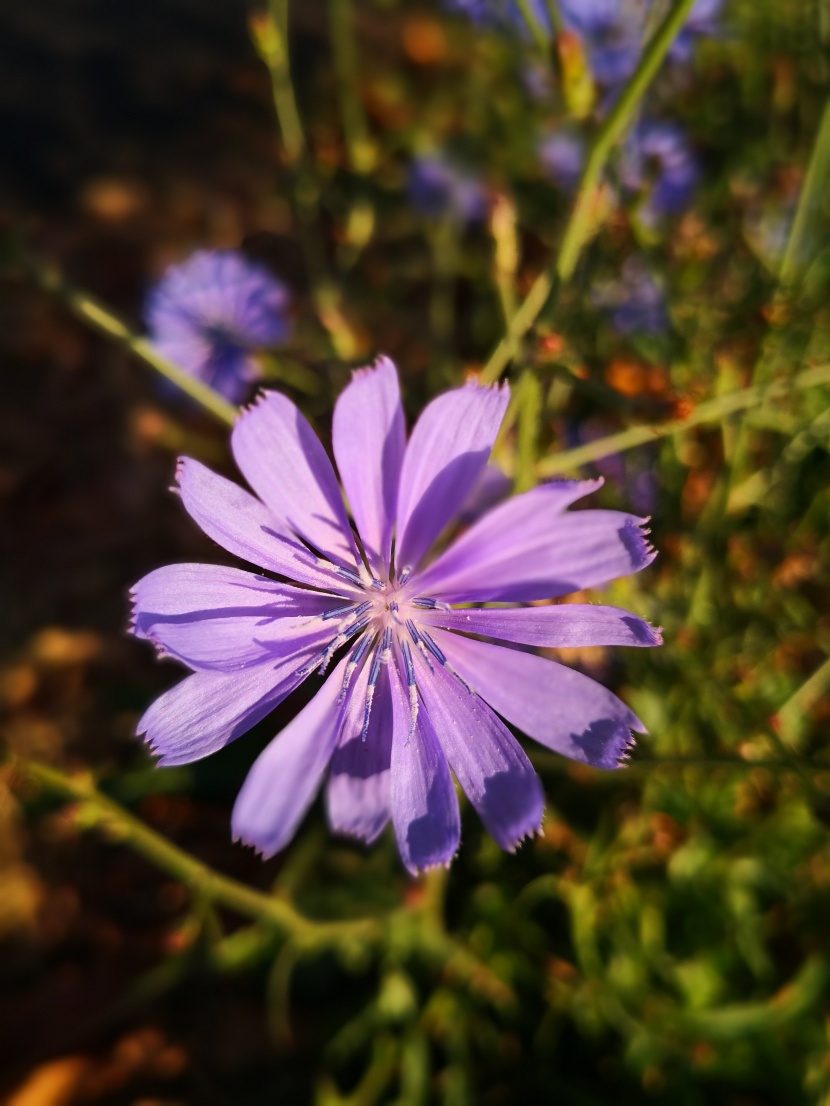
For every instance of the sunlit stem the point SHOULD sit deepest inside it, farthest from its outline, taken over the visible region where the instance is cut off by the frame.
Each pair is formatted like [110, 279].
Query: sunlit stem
[344, 49]
[100, 318]
[269, 31]
[96, 809]
[713, 410]
[528, 425]
[536, 28]
[583, 222]
[808, 213]
[443, 240]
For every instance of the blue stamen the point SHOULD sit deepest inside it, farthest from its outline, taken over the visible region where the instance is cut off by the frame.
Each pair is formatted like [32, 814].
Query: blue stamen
[352, 577]
[349, 608]
[433, 648]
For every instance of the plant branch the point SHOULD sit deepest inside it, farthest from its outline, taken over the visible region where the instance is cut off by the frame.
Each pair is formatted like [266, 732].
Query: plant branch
[101, 812]
[582, 222]
[713, 410]
[100, 318]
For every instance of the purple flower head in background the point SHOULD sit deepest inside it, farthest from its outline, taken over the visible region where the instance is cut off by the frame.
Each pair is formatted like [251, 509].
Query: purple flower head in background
[210, 312]
[614, 32]
[659, 166]
[413, 693]
[703, 21]
[437, 188]
[562, 155]
[637, 303]
[500, 13]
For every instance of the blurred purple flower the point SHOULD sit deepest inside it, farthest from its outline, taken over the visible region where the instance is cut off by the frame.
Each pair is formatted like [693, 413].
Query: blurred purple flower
[703, 21]
[658, 164]
[438, 188]
[495, 13]
[637, 303]
[413, 697]
[210, 312]
[562, 155]
[613, 32]
[633, 472]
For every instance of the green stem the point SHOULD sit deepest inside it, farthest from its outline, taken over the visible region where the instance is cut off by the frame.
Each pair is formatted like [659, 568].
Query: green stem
[426, 928]
[271, 38]
[581, 224]
[270, 35]
[344, 50]
[793, 717]
[802, 236]
[202, 880]
[101, 319]
[540, 35]
[712, 410]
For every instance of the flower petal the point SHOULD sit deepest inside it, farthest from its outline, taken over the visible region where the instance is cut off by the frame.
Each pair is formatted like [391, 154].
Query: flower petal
[245, 527]
[209, 616]
[357, 795]
[446, 454]
[557, 706]
[530, 549]
[208, 710]
[565, 626]
[369, 437]
[282, 459]
[488, 762]
[423, 799]
[285, 777]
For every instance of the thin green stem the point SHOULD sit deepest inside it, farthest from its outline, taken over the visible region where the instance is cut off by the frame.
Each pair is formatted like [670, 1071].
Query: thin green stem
[582, 223]
[536, 28]
[425, 927]
[554, 16]
[793, 716]
[100, 318]
[713, 410]
[344, 50]
[203, 881]
[802, 236]
[270, 32]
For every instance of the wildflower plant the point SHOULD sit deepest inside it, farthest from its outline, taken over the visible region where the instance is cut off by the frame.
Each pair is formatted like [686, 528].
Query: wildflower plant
[424, 629]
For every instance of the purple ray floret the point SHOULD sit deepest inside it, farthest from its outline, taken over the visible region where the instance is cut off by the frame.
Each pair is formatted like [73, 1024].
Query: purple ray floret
[210, 312]
[417, 689]
[439, 189]
[659, 167]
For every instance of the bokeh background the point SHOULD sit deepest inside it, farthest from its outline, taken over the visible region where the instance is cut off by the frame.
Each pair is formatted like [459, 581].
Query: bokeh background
[666, 940]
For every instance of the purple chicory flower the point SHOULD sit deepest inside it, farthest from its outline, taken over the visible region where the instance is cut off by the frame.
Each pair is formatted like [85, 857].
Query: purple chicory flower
[562, 155]
[614, 33]
[611, 32]
[658, 165]
[210, 312]
[501, 13]
[636, 304]
[438, 188]
[413, 698]
[703, 21]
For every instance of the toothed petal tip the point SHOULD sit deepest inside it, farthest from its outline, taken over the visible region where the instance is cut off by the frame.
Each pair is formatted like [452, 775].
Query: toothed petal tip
[380, 363]
[633, 535]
